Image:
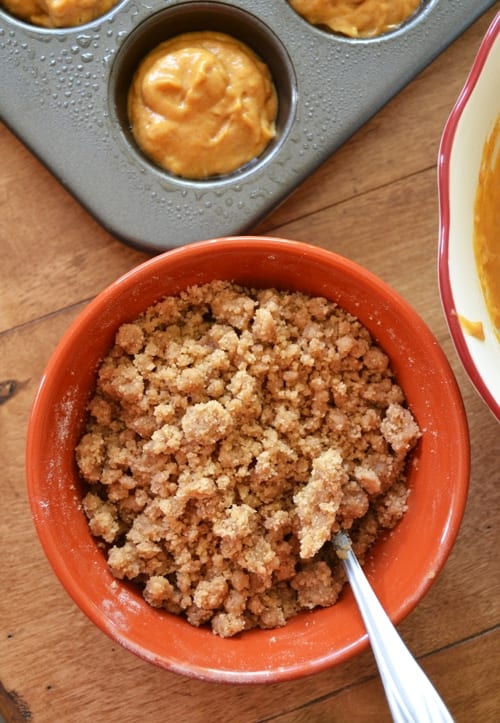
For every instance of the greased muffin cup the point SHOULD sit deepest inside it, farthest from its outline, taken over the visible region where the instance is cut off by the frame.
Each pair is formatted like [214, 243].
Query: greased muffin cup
[64, 93]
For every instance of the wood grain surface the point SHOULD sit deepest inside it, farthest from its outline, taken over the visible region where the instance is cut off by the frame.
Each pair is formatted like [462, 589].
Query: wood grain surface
[374, 201]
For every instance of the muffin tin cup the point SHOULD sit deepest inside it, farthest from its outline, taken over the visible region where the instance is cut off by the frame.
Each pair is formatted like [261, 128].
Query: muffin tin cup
[204, 16]
[64, 95]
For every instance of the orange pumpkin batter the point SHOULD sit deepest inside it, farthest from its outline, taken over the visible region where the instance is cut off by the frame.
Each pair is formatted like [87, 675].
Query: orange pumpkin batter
[356, 18]
[202, 104]
[487, 226]
[58, 13]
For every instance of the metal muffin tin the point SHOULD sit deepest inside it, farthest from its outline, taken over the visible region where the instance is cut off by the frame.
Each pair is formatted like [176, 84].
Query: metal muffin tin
[64, 95]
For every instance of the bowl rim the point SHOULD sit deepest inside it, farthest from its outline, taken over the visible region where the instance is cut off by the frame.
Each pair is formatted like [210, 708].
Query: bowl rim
[70, 579]
[444, 160]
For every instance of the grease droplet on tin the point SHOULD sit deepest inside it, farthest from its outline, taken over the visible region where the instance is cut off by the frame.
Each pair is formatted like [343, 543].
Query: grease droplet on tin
[83, 40]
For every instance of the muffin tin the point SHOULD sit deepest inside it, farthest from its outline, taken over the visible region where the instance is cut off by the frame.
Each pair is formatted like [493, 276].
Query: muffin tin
[64, 95]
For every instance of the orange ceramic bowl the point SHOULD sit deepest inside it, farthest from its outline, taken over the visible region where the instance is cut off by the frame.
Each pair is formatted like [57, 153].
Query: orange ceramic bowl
[401, 567]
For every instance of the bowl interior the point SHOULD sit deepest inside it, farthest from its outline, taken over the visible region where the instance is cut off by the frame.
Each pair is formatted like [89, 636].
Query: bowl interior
[401, 567]
[464, 136]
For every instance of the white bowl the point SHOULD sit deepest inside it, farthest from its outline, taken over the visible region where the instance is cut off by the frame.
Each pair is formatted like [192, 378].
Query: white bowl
[460, 152]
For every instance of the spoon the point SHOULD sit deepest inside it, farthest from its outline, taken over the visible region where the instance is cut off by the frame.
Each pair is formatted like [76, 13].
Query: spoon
[411, 696]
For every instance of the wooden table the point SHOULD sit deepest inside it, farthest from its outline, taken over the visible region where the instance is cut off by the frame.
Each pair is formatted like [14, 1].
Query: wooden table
[374, 201]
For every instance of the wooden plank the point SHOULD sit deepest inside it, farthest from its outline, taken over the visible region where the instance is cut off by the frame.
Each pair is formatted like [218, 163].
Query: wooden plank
[375, 201]
[53, 253]
[459, 673]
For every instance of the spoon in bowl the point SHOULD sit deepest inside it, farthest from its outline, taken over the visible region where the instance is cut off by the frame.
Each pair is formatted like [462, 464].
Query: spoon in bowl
[411, 696]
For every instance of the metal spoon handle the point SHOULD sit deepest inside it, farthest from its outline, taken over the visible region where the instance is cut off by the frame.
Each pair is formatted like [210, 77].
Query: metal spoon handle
[411, 696]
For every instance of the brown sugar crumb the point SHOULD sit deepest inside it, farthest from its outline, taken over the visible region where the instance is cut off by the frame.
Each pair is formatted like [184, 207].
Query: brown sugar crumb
[233, 432]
